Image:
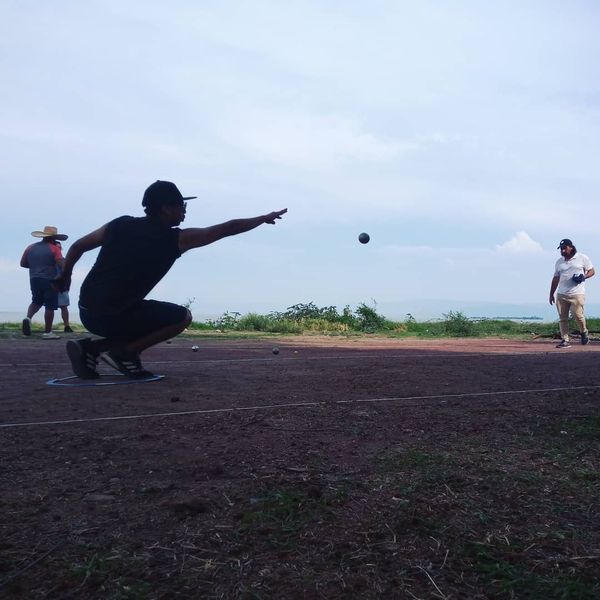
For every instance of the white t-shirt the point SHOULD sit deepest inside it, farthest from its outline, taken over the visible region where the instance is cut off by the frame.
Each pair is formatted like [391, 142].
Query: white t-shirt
[565, 269]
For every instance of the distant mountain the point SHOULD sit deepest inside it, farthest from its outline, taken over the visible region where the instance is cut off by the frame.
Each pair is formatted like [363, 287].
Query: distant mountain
[423, 310]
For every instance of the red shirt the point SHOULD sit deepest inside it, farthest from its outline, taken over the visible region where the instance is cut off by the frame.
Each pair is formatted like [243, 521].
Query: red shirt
[42, 260]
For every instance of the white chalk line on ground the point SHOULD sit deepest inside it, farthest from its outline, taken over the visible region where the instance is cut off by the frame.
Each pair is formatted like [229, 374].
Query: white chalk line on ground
[296, 405]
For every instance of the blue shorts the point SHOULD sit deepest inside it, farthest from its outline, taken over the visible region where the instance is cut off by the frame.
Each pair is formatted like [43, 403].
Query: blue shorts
[63, 299]
[43, 293]
[146, 317]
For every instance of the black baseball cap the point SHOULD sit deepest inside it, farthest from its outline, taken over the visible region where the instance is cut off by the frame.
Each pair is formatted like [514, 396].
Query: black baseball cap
[565, 242]
[163, 192]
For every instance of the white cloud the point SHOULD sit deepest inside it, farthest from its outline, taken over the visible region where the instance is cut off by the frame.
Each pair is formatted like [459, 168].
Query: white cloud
[520, 243]
[307, 140]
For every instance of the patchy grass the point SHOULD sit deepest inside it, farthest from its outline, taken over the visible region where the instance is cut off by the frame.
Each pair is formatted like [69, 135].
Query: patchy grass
[507, 575]
[516, 524]
[587, 428]
[280, 514]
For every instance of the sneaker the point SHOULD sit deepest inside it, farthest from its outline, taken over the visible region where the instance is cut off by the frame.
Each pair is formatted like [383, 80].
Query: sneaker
[68, 329]
[563, 344]
[26, 326]
[83, 360]
[50, 336]
[585, 338]
[128, 364]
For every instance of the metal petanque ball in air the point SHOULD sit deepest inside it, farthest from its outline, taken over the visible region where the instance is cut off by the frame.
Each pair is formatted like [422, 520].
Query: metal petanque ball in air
[275, 350]
[364, 238]
[195, 348]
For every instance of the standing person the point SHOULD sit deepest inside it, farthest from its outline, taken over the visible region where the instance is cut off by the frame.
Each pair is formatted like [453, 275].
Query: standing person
[43, 259]
[135, 254]
[570, 272]
[63, 300]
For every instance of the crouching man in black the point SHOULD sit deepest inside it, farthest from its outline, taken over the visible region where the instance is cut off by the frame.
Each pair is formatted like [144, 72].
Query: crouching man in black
[135, 254]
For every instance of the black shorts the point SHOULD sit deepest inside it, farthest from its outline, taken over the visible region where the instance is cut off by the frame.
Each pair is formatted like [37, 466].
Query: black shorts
[43, 293]
[146, 317]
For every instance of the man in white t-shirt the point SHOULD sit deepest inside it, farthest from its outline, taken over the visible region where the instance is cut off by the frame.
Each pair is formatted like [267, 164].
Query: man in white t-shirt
[570, 272]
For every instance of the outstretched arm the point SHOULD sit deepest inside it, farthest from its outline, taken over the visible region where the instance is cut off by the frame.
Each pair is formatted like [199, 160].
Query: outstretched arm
[77, 249]
[194, 237]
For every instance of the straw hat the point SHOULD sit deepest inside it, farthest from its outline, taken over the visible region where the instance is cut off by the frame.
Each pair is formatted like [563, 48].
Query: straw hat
[49, 232]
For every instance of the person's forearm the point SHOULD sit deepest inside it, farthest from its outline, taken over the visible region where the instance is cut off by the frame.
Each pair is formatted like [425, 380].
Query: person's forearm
[73, 255]
[195, 237]
[236, 226]
[87, 242]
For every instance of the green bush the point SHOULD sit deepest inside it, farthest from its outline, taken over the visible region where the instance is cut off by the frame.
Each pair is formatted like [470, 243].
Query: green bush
[458, 325]
[228, 320]
[254, 322]
[322, 325]
[308, 317]
[285, 326]
[367, 319]
[302, 312]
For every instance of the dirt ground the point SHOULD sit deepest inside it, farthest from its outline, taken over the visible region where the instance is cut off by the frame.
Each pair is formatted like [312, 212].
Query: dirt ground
[357, 467]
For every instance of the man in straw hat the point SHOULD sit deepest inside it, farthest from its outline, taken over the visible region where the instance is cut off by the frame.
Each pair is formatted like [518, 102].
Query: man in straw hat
[135, 254]
[42, 259]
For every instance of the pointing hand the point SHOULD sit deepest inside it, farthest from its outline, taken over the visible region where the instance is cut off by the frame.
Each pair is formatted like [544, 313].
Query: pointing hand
[270, 218]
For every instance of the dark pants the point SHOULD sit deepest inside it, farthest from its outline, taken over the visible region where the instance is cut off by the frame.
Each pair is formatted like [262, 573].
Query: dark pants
[146, 317]
[43, 293]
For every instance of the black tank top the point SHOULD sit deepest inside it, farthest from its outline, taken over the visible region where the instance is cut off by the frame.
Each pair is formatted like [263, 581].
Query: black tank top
[137, 252]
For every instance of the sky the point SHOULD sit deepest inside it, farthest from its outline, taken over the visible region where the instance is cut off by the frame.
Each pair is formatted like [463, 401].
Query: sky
[463, 136]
